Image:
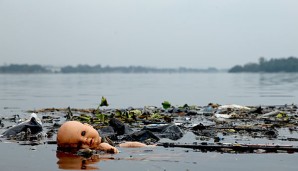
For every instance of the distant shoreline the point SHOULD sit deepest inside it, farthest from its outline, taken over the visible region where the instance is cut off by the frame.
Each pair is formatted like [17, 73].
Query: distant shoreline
[289, 65]
[37, 69]
[279, 65]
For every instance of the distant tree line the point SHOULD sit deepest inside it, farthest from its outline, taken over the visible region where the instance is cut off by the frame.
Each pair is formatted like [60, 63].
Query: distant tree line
[289, 64]
[130, 69]
[25, 68]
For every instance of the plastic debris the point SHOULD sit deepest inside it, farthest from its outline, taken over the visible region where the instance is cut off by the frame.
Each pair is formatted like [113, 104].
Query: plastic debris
[32, 125]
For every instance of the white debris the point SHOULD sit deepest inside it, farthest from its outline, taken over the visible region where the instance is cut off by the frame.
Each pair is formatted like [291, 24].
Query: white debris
[225, 116]
[233, 107]
[270, 114]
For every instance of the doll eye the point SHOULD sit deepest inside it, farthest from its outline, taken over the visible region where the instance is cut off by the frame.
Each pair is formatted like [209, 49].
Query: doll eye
[83, 133]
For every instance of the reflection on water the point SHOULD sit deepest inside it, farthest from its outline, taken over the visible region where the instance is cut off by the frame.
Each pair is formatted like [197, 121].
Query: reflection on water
[266, 89]
[279, 79]
[69, 161]
[278, 85]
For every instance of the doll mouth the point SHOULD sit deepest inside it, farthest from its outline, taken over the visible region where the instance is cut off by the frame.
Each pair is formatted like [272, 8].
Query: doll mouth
[92, 142]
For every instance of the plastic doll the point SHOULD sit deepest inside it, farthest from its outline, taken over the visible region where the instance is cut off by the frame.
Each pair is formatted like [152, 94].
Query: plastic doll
[74, 134]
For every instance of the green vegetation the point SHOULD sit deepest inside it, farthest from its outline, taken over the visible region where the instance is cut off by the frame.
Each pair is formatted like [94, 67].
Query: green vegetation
[289, 64]
[166, 104]
[103, 102]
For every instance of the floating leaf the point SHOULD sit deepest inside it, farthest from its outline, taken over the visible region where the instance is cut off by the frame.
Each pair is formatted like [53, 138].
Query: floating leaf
[118, 113]
[84, 118]
[104, 102]
[166, 104]
[280, 115]
[184, 106]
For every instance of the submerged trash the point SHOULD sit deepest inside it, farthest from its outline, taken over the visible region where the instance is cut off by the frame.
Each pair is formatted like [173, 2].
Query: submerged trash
[238, 148]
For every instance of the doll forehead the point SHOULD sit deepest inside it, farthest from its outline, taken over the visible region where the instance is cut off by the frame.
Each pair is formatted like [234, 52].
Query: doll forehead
[79, 127]
[86, 126]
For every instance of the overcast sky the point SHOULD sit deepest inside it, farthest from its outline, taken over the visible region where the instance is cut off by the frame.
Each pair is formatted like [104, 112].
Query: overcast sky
[158, 33]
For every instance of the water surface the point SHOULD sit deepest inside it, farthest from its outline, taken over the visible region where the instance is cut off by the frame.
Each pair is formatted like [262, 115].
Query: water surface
[21, 92]
[31, 91]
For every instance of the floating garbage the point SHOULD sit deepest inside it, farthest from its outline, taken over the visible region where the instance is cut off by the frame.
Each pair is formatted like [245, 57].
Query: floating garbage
[233, 107]
[230, 111]
[207, 110]
[219, 123]
[33, 126]
[225, 116]
[119, 127]
[142, 136]
[270, 114]
[170, 131]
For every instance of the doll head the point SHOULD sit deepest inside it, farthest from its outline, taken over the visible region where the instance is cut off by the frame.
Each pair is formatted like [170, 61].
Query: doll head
[74, 134]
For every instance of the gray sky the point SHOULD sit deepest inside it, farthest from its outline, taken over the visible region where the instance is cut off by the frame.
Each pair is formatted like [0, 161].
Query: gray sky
[159, 33]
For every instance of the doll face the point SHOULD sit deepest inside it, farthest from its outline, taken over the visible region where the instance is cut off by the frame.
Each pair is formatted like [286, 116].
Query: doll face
[77, 135]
